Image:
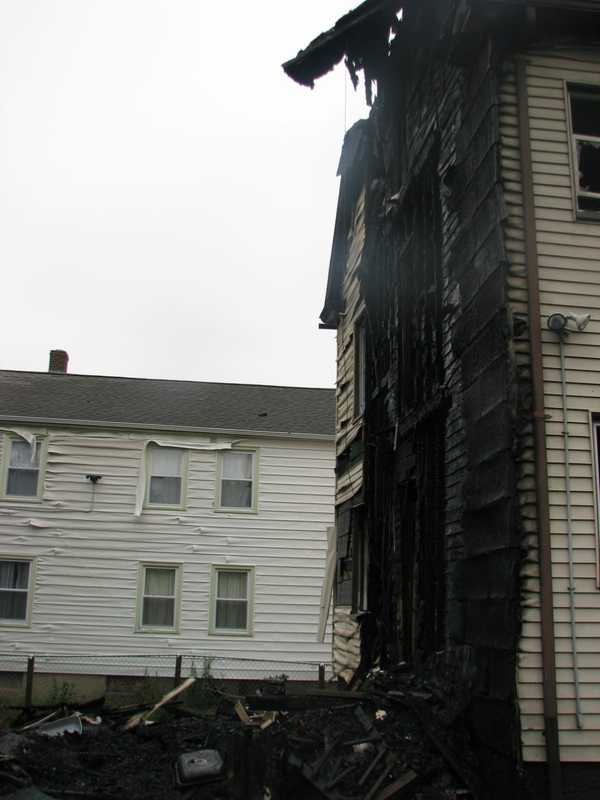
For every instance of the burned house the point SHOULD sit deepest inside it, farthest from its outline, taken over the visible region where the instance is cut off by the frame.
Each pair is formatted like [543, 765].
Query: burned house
[464, 288]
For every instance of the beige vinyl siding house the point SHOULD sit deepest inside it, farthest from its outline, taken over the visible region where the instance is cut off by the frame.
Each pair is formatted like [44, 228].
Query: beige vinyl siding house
[569, 270]
[171, 566]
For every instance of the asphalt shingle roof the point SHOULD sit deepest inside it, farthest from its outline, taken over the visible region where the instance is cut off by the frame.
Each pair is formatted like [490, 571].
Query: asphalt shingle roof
[165, 403]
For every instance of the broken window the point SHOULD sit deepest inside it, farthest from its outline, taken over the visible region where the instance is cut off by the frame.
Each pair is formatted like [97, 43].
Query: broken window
[585, 124]
[360, 564]
[15, 578]
[159, 593]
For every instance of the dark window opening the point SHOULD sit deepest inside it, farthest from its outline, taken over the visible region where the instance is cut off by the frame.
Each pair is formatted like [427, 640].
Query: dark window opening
[360, 563]
[352, 560]
[360, 362]
[585, 121]
[585, 109]
[588, 160]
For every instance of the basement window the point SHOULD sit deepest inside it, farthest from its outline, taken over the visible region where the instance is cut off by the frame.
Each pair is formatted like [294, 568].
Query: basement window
[585, 132]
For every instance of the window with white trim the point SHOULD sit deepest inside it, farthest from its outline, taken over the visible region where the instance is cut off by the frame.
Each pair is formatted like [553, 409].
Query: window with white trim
[15, 580]
[166, 470]
[159, 597]
[232, 589]
[585, 132]
[23, 467]
[237, 484]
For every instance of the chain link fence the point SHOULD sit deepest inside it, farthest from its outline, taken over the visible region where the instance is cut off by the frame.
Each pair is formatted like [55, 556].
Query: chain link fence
[118, 668]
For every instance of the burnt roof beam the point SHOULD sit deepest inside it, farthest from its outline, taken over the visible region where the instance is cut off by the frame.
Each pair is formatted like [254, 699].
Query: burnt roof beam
[360, 35]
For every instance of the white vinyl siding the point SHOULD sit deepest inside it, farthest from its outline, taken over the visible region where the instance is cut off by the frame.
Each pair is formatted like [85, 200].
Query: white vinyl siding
[87, 557]
[568, 251]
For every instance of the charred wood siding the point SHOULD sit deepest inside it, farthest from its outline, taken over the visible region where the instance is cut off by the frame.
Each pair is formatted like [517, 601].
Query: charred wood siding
[440, 434]
[349, 448]
[349, 424]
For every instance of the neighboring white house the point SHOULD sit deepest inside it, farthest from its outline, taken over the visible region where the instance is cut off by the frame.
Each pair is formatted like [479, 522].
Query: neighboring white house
[155, 517]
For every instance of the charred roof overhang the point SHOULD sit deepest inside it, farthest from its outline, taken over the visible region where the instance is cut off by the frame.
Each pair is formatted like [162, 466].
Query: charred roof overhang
[362, 36]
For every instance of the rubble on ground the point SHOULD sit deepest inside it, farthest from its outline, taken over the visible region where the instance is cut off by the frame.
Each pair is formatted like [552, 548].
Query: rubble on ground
[395, 738]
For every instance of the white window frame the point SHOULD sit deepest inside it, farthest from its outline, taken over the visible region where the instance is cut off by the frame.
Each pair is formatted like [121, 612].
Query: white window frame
[171, 629]
[7, 443]
[250, 585]
[185, 455]
[21, 623]
[253, 507]
[570, 88]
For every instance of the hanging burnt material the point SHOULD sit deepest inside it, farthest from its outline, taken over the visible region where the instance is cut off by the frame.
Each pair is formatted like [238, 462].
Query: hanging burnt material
[361, 37]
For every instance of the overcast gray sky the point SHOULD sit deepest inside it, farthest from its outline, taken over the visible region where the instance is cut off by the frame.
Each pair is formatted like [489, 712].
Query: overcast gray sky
[167, 194]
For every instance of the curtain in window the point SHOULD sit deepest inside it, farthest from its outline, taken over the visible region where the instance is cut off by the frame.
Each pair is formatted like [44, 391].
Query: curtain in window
[22, 455]
[13, 605]
[232, 600]
[23, 469]
[237, 466]
[165, 472]
[142, 488]
[236, 483]
[236, 494]
[160, 581]
[232, 585]
[159, 610]
[14, 580]
[14, 574]
[166, 461]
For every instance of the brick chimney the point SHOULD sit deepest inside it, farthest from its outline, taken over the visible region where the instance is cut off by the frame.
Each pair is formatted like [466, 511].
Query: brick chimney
[59, 361]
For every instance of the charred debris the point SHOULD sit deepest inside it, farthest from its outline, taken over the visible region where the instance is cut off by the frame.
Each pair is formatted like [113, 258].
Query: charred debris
[394, 738]
[430, 541]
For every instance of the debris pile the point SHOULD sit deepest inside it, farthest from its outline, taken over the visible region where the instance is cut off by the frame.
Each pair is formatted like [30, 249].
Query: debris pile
[393, 739]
